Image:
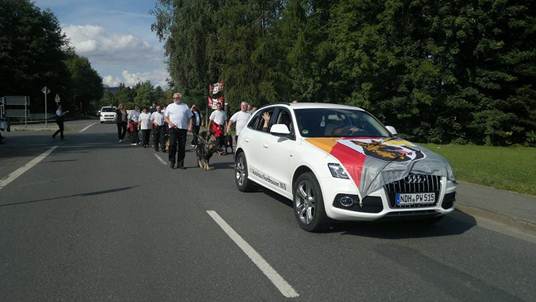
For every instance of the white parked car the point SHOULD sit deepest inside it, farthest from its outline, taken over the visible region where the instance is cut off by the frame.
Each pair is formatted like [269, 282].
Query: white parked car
[339, 162]
[107, 114]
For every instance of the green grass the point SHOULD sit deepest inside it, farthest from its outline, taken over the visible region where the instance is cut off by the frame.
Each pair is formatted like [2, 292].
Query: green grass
[510, 168]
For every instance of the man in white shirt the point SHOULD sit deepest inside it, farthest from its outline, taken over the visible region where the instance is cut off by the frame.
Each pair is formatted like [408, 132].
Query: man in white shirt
[145, 127]
[218, 118]
[240, 118]
[157, 119]
[179, 119]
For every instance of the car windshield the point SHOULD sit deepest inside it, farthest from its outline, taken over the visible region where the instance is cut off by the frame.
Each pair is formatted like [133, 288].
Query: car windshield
[108, 109]
[331, 122]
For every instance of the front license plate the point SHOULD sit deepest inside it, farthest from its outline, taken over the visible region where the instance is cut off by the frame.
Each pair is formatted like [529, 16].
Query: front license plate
[402, 199]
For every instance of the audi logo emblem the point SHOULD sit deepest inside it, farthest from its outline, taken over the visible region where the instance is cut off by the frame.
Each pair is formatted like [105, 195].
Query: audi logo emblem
[415, 179]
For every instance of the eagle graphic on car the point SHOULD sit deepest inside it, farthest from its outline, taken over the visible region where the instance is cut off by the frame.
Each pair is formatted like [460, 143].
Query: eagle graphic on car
[378, 149]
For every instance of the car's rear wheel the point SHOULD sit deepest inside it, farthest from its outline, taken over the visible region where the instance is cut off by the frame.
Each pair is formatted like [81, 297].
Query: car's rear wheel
[309, 204]
[241, 174]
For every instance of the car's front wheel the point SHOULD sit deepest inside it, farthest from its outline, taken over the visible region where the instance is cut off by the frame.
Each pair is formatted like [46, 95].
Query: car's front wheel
[241, 174]
[309, 204]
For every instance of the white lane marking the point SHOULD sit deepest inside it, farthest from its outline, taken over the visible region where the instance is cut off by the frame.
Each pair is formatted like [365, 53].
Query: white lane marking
[87, 127]
[279, 282]
[15, 174]
[160, 159]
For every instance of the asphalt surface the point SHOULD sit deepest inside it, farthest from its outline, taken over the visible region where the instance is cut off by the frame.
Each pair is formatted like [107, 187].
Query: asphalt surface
[102, 221]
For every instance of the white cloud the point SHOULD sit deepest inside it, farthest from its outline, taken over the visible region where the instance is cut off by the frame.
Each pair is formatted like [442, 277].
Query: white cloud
[94, 41]
[157, 77]
[117, 55]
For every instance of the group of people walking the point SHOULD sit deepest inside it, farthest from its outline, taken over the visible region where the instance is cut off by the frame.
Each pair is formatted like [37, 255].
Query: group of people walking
[169, 126]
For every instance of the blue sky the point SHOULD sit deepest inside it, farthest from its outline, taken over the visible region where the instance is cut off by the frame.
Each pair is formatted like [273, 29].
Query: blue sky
[116, 37]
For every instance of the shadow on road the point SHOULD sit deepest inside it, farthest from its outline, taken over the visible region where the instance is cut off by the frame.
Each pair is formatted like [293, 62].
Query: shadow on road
[452, 224]
[68, 196]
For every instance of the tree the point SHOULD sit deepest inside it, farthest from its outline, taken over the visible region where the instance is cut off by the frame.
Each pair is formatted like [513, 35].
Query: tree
[440, 71]
[31, 51]
[85, 85]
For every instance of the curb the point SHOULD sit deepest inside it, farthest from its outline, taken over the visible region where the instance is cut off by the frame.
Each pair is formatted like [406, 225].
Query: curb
[516, 223]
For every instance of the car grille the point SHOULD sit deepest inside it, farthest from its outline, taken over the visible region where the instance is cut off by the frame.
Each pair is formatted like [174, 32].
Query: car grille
[413, 183]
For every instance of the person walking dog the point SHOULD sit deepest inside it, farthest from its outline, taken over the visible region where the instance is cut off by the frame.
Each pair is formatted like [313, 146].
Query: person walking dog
[179, 119]
[196, 124]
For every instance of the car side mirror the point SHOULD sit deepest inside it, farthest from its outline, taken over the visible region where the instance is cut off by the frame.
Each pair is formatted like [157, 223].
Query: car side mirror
[280, 130]
[391, 129]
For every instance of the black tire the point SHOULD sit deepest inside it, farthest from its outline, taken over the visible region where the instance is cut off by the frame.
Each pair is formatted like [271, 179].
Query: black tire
[310, 200]
[241, 174]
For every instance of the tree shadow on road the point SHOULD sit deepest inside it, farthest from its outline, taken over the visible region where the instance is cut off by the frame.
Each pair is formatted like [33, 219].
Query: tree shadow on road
[69, 196]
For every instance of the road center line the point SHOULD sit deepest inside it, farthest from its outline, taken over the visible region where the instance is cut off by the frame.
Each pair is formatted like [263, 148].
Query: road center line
[160, 159]
[279, 282]
[15, 174]
[87, 127]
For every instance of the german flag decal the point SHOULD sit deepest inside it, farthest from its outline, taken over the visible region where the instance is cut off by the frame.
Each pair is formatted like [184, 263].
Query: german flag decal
[353, 153]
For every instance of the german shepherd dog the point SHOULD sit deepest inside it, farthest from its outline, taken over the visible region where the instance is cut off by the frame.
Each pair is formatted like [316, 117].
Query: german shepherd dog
[206, 147]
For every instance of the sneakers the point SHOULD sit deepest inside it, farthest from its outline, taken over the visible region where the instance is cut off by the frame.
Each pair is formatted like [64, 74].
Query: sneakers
[181, 165]
[172, 164]
[133, 144]
[120, 141]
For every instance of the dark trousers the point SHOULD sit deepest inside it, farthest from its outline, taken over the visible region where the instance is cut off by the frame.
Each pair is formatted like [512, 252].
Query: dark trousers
[177, 144]
[158, 136]
[145, 134]
[134, 137]
[195, 132]
[121, 130]
[60, 130]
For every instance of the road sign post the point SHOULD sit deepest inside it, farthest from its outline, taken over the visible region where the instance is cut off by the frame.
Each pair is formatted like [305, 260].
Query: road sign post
[46, 91]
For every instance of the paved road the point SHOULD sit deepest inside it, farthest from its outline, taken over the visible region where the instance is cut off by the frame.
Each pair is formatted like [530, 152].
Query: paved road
[102, 221]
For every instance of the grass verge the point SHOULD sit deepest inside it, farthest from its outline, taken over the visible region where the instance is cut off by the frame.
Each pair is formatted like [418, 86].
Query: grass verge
[510, 168]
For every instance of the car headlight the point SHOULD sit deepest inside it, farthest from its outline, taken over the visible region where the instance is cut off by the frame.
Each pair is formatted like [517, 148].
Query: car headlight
[450, 174]
[337, 171]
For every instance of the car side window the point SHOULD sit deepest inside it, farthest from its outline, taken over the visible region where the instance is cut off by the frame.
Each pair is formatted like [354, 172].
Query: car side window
[257, 122]
[285, 118]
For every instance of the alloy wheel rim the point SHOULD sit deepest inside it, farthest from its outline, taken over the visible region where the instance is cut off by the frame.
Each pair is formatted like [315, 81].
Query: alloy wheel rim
[240, 172]
[305, 202]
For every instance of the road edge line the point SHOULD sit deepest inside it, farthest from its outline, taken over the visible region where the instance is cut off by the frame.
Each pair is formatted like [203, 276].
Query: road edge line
[160, 159]
[282, 285]
[15, 174]
[87, 127]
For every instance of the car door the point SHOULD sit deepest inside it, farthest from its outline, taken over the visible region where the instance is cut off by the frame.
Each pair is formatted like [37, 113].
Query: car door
[253, 141]
[280, 153]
